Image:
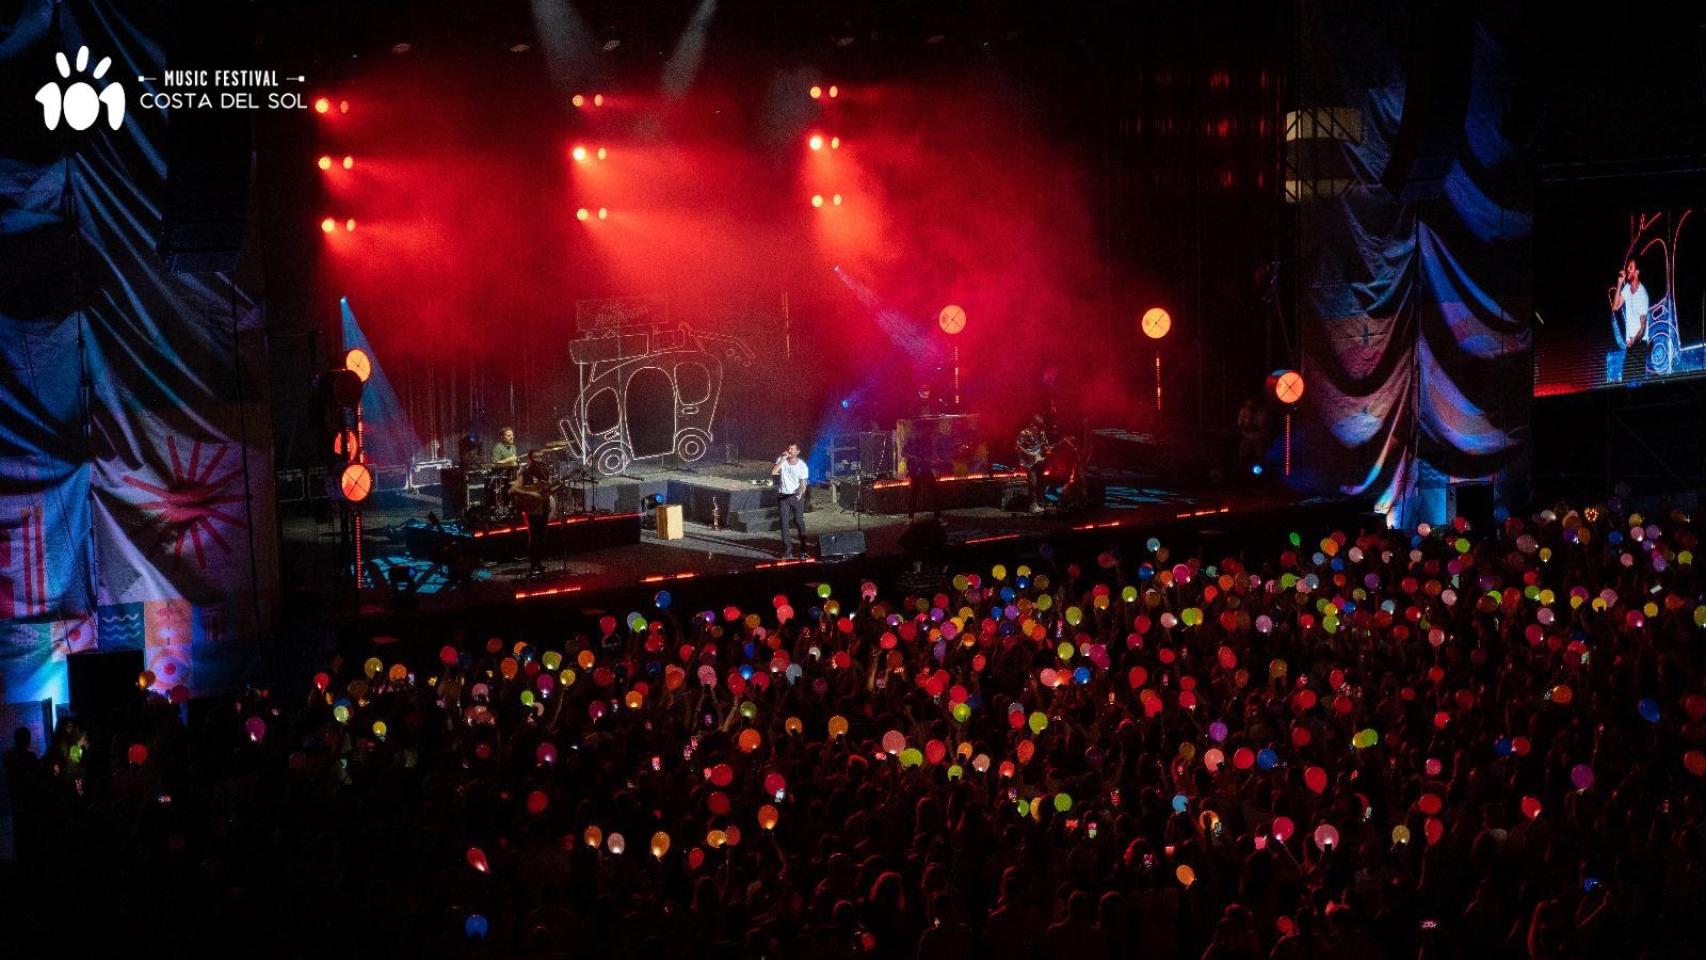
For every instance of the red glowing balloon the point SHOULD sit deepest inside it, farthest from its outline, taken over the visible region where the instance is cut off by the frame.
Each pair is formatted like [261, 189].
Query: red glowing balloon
[1315, 779]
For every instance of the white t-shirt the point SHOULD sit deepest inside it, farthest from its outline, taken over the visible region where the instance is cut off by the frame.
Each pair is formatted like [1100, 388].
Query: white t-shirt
[793, 476]
[1634, 312]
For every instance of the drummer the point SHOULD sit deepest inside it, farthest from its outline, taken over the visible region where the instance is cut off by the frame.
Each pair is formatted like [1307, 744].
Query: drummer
[503, 452]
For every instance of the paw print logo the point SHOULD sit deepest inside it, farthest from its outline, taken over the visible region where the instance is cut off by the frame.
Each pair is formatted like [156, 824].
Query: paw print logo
[78, 103]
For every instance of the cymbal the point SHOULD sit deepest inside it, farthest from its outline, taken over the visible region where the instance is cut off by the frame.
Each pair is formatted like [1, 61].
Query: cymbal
[556, 445]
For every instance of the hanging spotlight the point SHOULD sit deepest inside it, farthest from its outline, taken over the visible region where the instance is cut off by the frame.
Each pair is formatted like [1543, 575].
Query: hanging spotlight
[578, 100]
[349, 162]
[603, 214]
[322, 105]
[602, 153]
[583, 214]
[816, 92]
[579, 153]
[817, 199]
[816, 141]
[836, 200]
[328, 225]
[326, 162]
[834, 92]
[349, 225]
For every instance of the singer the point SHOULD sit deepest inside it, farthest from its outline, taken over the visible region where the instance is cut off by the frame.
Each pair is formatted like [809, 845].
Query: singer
[791, 475]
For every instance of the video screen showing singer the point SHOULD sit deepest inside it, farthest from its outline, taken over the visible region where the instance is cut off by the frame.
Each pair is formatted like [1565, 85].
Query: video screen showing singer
[791, 475]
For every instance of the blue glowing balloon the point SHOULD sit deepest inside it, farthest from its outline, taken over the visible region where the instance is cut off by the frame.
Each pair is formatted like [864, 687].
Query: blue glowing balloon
[1649, 709]
[662, 600]
[1267, 759]
[475, 926]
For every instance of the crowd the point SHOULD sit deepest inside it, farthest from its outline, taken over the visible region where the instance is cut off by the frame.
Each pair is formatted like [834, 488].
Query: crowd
[1435, 743]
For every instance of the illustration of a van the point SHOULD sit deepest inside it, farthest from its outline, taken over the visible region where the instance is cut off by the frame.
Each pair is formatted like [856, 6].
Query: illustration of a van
[647, 392]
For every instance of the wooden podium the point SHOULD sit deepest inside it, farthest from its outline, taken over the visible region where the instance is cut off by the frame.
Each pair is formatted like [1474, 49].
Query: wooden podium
[669, 521]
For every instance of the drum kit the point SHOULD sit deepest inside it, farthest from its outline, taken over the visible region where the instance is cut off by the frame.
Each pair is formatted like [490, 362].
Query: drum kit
[571, 488]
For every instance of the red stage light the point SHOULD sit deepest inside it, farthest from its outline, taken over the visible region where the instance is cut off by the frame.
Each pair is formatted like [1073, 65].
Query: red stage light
[817, 199]
[349, 163]
[325, 163]
[578, 100]
[328, 224]
[583, 214]
[579, 153]
[816, 141]
[349, 225]
[816, 92]
[322, 105]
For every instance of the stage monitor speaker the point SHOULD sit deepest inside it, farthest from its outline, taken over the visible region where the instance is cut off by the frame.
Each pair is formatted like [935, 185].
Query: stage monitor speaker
[846, 543]
[101, 682]
[1436, 97]
[453, 493]
[1015, 497]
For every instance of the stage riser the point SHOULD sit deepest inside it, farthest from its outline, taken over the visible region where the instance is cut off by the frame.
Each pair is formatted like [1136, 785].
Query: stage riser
[581, 536]
[950, 495]
[696, 500]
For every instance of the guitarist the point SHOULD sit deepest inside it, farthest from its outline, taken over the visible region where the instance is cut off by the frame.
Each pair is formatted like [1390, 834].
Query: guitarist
[531, 494]
[1033, 448]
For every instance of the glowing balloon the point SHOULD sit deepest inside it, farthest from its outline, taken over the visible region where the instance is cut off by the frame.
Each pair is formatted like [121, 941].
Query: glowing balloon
[1326, 836]
[1315, 779]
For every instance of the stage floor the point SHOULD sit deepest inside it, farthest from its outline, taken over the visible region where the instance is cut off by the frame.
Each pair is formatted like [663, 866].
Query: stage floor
[1132, 499]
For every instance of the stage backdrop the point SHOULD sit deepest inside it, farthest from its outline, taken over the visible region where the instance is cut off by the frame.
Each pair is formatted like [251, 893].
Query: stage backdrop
[135, 450]
[1416, 314]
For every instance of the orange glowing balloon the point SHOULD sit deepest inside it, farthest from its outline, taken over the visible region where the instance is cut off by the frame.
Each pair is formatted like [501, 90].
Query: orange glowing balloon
[1156, 323]
[952, 319]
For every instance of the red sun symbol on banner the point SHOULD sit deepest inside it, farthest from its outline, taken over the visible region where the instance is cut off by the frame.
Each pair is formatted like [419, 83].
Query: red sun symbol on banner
[193, 503]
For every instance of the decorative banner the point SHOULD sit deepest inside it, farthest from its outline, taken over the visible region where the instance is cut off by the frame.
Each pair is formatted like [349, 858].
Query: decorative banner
[135, 452]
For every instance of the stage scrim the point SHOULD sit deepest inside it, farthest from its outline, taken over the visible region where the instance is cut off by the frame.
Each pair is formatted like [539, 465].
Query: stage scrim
[136, 471]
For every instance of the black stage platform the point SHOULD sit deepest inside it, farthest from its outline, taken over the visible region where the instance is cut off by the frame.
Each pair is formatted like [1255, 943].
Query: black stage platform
[731, 529]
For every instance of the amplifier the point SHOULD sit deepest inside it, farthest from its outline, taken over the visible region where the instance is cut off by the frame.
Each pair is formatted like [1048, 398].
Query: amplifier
[846, 543]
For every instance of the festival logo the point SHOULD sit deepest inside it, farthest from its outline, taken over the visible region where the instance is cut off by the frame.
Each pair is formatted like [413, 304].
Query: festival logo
[78, 103]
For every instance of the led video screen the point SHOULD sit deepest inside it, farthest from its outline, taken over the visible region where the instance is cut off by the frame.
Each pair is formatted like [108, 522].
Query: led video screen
[1620, 298]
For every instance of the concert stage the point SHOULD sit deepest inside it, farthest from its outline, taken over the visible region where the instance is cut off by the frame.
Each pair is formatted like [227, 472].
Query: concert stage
[731, 529]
